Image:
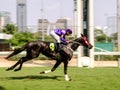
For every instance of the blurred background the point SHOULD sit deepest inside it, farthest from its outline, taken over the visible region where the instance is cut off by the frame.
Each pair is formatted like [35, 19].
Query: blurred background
[22, 21]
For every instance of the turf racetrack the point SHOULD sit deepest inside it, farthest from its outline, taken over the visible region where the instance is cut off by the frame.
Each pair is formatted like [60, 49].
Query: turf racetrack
[82, 79]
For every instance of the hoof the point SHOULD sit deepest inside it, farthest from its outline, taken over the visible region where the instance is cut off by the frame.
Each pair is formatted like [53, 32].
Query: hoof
[16, 70]
[8, 69]
[42, 72]
[68, 80]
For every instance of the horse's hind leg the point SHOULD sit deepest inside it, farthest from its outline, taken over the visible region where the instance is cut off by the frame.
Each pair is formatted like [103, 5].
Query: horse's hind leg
[22, 60]
[12, 67]
[30, 55]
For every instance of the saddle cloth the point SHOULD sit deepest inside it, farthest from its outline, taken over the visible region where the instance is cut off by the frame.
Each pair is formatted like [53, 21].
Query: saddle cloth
[54, 46]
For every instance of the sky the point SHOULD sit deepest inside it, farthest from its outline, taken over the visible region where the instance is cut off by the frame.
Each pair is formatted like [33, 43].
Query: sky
[102, 10]
[54, 9]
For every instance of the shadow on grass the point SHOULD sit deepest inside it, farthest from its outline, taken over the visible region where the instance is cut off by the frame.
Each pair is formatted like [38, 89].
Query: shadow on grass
[2, 88]
[35, 77]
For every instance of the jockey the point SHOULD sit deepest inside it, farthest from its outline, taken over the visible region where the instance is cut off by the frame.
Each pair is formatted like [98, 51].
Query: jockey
[60, 34]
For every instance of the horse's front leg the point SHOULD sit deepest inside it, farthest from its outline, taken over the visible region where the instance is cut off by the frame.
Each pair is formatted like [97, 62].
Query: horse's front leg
[53, 69]
[65, 71]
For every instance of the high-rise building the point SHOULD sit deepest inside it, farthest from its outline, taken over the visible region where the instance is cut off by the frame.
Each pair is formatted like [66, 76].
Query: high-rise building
[112, 25]
[64, 23]
[43, 25]
[22, 15]
[5, 19]
[46, 26]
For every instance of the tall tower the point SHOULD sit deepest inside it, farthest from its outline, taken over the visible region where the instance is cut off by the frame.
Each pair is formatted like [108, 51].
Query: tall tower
[21, 15]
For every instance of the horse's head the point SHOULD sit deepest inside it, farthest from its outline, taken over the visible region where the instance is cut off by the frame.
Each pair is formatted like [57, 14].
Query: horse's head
[85, 42]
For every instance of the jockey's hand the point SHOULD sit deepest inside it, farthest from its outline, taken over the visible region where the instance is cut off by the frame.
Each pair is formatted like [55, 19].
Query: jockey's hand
[67, 42]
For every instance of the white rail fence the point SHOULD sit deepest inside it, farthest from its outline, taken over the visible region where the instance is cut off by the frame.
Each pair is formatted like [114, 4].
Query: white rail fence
[103, 52]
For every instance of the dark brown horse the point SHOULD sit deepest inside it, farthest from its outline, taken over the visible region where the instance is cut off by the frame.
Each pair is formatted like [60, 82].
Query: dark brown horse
[34, 48]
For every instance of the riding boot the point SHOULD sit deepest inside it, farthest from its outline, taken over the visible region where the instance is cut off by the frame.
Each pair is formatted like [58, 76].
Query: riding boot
[58, 47]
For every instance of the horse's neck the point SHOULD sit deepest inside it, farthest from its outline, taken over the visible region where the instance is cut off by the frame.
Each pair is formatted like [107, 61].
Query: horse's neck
[75, 44]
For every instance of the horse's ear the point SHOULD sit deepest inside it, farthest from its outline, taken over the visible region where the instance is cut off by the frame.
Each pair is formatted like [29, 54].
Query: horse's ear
[82, 35]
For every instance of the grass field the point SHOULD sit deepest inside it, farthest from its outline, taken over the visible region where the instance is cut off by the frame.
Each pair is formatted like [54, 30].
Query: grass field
[82, 79]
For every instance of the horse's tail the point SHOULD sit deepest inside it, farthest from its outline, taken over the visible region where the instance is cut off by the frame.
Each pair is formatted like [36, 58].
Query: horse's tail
[16, 51]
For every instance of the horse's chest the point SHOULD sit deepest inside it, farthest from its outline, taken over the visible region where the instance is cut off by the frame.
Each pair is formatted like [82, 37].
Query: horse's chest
[68, 53]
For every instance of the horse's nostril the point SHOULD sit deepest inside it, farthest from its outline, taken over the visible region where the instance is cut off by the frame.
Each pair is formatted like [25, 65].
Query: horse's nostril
[90, 47]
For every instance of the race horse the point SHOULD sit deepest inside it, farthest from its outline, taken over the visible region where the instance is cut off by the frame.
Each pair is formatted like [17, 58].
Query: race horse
[35, 48]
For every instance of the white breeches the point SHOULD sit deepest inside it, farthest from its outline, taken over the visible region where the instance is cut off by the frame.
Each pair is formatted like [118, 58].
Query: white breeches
[55, 36]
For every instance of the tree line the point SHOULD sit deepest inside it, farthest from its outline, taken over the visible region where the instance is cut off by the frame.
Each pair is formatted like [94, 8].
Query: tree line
[20, 38]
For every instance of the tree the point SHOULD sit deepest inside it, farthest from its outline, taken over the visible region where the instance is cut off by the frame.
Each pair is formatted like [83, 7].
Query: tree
[19, 39]
[99, 36]
[114, 36]
[10, 29]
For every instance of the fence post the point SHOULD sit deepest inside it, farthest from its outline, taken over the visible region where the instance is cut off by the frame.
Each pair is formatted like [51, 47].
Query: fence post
[118, 62]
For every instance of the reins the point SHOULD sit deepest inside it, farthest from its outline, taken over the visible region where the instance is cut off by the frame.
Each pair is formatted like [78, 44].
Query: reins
[75, 42]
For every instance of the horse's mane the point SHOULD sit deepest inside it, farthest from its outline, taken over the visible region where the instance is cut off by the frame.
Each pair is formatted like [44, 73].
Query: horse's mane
[75, 43]
[77, 39]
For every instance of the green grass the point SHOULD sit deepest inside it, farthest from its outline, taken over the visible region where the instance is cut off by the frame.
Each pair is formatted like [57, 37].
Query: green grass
[82, 79]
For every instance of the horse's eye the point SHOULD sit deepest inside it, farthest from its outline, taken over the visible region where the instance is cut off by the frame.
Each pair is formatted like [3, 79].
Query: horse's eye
[84, 38]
